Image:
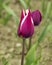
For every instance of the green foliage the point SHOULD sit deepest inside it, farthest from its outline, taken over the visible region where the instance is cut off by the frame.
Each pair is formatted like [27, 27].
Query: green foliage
[50, 14]
[1, 7]
[4, 61]
[5, 19]
[37, 59]
[1, 1]
[46, 6]
[11, 12]
[50, 29]
[43, 6]
[30, 56]
[47, 10]
[23, 3]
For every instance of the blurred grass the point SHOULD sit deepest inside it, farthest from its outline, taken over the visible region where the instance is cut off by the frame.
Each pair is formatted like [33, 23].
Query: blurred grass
[10, 11]
[5, 62]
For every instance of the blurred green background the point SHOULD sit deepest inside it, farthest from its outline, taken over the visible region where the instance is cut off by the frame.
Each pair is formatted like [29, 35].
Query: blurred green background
[10, 43]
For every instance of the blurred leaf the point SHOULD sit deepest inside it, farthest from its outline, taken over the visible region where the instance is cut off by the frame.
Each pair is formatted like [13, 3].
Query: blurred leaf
[30, 54]
[43, 6]
[50, 15]
[11, 12]
[1, 2]
[1, 7]
[6, 18]
[23, 3]
[43, 33]
[48, 10]
[4, 61]
[1, 21]
[28, 3]
[50, 28]
[36, 61]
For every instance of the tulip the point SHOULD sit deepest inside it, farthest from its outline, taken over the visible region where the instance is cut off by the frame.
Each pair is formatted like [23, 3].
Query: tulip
[37, 17]
[26, 25]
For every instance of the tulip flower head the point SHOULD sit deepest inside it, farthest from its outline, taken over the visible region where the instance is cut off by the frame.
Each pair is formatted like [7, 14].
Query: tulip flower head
[26, 25]
[37, 17]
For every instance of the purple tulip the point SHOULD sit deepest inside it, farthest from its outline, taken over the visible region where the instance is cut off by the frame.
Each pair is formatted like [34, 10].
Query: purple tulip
[37, 17]
[26, 25]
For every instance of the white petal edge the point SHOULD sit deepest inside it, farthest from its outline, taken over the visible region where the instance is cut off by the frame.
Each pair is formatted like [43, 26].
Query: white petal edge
[23, 12]
[25, 16]
[23, 21]
[32, 21]
[27, 11]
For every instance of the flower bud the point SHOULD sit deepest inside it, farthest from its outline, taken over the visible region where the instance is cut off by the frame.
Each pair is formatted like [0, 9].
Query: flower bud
[37, 17]
[26, 26]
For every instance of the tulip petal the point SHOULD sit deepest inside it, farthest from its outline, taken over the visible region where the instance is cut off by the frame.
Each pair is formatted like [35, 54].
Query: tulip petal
[22, 16]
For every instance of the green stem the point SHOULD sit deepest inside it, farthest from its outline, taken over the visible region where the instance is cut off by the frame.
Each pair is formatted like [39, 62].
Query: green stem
[30, 40]
[22, 59]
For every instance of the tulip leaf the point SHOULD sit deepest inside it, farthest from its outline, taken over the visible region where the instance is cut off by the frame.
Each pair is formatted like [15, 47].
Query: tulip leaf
[6, 18]
[11, 12]
[36, 61]
[43, 7]
[23, 3]
[48, 10]
[31, 53]
[50, 15]
[50, 29]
